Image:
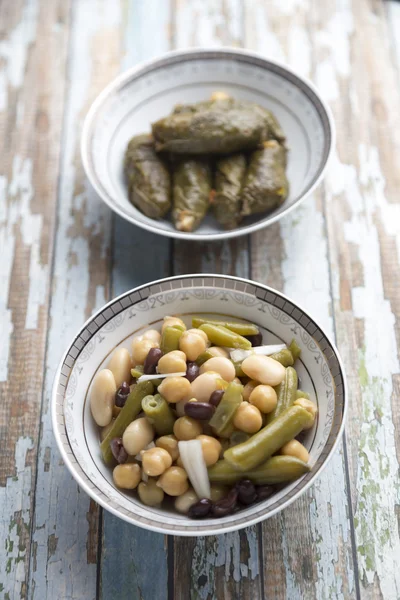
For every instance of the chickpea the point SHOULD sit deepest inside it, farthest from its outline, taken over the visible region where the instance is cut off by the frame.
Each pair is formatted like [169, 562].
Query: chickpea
[192, 343]
[155, 461]
[221, 365]
[217, 351]
[173, 322]
[199, 332]
[247, 418]
[179, 462]
[102, 397]
[127, 476]
[153, 335]
[264, 397]
[104, 430]
[218, 96]
[211, 449]
[175, 389]
[149, 493]
[308, 405]
[137, 436]
[204, 385]
[174, 481]
[294, 448]
[186, 428]
[184, 502]
[248, 388]
[218, 491]
[172, 362]
[170, 444]
[140, 349]
[264, 369]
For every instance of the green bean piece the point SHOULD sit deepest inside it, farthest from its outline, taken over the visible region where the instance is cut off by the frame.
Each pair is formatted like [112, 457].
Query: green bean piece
[221, 336]
[170, 339]
[238, 369]
[278, 469]
[137, 371]
[267, 441]
[301, 394]
[286, 392]
[238, 437]
[204, 357]
[159, 413]
[240, 328]
[285, 357]
[295, 350]
[129, 412]
[225, 411]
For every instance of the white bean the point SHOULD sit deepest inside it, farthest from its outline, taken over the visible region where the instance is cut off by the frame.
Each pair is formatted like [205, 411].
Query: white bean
[102, 397]
[137, 436]
[120, 365]
[184, 502]
[204, 385]
[220, 365]
[264, 369]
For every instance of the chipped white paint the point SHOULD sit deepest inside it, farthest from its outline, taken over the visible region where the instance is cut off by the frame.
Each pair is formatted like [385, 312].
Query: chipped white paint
[14, 50]
[377, 487]
[15, 500]
[305, 274]
[17, 218]
[61, 509]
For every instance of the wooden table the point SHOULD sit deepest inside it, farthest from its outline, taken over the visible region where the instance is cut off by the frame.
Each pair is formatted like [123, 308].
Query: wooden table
[63, 254]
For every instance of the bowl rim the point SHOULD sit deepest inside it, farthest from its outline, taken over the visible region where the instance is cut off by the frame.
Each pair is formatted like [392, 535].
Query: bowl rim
[216, 530]
[161, 60]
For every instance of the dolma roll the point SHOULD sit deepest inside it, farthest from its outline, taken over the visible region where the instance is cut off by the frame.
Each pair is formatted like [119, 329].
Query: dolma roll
[191, 193]
[226, 202]
[265, 185]
[149, 181]
[213, 130]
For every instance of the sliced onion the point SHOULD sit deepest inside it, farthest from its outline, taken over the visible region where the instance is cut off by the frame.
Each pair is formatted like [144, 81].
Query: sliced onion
[191, 453]
[160, 376]
[239, 355]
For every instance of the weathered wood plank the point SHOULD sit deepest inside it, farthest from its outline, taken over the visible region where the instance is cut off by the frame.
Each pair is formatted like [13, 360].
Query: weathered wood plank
[138, 257]
[307, 549]
[32, 61]
[363, 217]
[225, 566]
[65, 534]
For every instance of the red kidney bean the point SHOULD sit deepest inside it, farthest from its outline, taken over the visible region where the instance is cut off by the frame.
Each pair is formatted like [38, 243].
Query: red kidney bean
[118, 451]
[216, 397]
[226, 505]
[199, 410]
[200, 509]
[256, 340]
[246, 491]
[192, 371]
[264, 492]
[122, 394]
[151, 362]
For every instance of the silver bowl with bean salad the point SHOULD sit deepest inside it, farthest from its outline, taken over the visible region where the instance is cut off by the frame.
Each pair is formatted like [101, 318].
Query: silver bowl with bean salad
[208, 416]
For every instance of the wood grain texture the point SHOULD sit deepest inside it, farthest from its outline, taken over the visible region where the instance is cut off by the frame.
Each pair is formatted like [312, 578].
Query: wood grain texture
[33, 42]
[138, 257]
[225, 566]
[65, 534]
[308, 548]
[364, 236]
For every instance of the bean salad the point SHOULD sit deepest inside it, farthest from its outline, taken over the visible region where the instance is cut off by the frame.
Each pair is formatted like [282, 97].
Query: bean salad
[207, 416]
